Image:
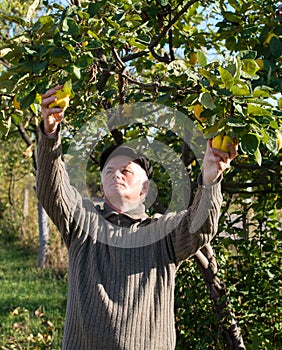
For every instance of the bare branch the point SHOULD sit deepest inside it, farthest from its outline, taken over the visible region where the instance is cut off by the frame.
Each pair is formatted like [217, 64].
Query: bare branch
[154, 85]
[156, 41]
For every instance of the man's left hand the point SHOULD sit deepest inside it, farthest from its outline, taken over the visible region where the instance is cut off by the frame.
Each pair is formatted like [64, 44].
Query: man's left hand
[217, 161]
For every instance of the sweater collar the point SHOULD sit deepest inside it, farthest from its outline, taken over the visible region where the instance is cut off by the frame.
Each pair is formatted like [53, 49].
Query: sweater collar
[136, 214]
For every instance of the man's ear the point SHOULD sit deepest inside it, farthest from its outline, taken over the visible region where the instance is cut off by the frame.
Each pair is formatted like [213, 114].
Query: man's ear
[145, 188]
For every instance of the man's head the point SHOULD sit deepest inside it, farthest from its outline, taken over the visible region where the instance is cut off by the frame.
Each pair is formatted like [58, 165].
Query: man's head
[125, 174]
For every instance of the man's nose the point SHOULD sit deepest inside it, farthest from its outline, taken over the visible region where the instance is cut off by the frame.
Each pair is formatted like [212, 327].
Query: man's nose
[117, 173]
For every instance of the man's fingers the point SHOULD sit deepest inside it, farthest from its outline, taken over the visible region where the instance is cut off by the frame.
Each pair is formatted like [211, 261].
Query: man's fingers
[48, 100]
[220, 155]
[232, 149]
[51, 92]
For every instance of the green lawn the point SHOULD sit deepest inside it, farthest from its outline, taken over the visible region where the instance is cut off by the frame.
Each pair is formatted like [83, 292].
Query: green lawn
[32, 302]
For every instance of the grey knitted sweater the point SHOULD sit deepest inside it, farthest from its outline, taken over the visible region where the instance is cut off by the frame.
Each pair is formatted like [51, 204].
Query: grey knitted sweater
[120, 286]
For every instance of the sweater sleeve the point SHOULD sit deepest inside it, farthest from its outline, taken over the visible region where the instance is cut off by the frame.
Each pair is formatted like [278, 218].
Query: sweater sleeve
[54, 191]
[199, 223]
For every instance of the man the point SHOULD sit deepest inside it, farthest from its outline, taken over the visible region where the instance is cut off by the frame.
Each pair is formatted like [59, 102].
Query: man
[121, 287]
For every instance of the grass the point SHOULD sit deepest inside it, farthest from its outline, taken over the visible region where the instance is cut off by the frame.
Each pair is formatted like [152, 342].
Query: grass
[32, 302]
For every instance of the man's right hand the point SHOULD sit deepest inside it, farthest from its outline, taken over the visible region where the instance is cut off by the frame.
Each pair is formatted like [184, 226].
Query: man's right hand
[52, 117]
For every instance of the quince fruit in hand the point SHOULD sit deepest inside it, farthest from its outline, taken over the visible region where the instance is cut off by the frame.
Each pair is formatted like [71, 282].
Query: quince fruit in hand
[221, 141]
[63, 96]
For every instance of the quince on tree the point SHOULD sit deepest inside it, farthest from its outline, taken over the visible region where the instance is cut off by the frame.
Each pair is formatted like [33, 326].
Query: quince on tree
[16, 103]
[193, 58]
[198, 109]
[63, 96]
[221, 141]
[279, 141]
[268, 39]
[260, 63]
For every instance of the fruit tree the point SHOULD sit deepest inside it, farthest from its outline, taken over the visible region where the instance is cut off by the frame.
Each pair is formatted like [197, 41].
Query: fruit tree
[219, 64]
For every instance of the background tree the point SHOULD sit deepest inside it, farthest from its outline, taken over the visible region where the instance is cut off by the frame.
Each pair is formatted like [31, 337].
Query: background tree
[218, 63]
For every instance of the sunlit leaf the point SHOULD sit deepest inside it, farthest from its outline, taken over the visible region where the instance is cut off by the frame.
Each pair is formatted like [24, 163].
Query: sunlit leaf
[254, 109]
[226, 78]
[207, 100]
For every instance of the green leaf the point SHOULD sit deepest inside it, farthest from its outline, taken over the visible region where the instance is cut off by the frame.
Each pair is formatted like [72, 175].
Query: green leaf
[71, 27]
[92, 34]
[275, 47]
[234, 122]
[85, 60]
[163, 2]
[258, 157]
[143, 38]
[77, 72]
[213, 79]
[211, 131]
[44, 22]
[226, 78]
[28, 99]
[5, 124]
[206, 100]
[39, 67]
[14, 19]
[231, 43]
[232, 17]
[261, 91]
[249, 68]
[67, 88]
[250, 143]
[256, 110]
[240, 90]
[94, 7]
[202, 58]
[17, 118]
[137, 44]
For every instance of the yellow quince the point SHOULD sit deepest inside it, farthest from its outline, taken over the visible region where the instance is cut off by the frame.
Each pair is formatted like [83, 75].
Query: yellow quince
[221, 141]
[63, 96]
[16, 103]
[193, 58]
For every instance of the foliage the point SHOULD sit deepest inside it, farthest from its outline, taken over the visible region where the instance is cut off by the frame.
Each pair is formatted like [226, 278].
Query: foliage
[224, 56]
[15, 176]
[249, 256]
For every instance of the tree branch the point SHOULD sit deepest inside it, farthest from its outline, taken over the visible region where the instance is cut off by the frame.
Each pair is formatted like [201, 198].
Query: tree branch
[29, 142]
[24, 134]
[156, 41]
[154, 85]
[230, 330]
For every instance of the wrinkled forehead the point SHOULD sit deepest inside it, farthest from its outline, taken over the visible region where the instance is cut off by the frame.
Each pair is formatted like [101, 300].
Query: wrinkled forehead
[119, 161]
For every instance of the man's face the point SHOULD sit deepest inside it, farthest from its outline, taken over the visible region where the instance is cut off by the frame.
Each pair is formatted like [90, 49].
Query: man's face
[124, 183]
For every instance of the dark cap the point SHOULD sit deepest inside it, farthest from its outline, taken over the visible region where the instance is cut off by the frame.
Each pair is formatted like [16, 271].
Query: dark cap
[136, 157]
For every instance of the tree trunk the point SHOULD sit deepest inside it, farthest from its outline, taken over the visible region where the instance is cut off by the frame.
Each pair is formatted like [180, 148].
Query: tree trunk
[230, 330]
[43, 251]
